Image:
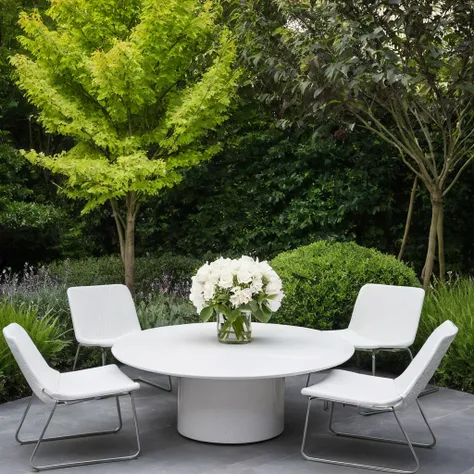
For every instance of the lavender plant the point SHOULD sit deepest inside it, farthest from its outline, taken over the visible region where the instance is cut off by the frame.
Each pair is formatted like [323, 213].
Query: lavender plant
[36, 290]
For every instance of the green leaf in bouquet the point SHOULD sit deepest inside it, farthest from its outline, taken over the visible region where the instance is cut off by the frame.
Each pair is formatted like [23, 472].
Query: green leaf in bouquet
[253, 306]
[221, 308]
[260, 298]
[263, 314]
[206, 313]
[233, 315]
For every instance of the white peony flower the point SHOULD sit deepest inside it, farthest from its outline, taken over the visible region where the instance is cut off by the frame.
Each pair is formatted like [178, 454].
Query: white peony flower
[256, 286]
[226, 279]
[246, 270]
[196, 296]
[240, 279]
[208, 291]
[265, 268]
[203, 273]
[244, 274]
[273, 287]
[274, 302]
[240, 296]
[257, 282]
[246, 295]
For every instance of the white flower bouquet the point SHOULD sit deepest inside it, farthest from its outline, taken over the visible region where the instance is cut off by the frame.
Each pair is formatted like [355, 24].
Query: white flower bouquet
[234, 290]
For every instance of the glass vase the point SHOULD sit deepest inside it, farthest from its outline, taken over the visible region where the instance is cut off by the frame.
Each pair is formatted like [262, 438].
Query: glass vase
[235, 332]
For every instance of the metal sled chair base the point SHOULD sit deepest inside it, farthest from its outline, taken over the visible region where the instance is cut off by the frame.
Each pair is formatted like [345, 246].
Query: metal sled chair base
[407, 442]
[42, 439]
[169, 388]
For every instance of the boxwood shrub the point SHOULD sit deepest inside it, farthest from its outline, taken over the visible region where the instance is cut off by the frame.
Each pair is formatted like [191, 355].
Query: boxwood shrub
[166, 273]
[321, 281]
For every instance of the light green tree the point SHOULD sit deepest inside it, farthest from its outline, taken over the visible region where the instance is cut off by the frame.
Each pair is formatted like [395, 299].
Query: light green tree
[138, 85]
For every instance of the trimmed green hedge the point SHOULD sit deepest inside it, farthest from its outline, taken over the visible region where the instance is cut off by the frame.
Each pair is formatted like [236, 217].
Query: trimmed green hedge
[166, 273]
[321, 281]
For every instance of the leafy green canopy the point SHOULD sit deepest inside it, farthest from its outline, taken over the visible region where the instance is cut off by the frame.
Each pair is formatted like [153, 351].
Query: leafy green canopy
[404, 69]
[137, 87]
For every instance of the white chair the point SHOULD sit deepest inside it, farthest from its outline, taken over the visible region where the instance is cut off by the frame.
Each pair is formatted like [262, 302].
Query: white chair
[101, 315]
[378, 393]
[384, 319]
[57, 389]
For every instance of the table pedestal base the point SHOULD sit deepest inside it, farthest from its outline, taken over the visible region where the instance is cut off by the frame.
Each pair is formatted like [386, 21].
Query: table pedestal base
[231, 411]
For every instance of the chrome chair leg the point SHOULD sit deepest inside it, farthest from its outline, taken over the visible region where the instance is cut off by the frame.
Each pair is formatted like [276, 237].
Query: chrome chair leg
[407, 442]
[387, 440]
[326, 404]
[17, 434]
[77, 356]
[374, 370]
[73, 436]
[103, 350]
[169, 388]
[41, 439]
[429, 390]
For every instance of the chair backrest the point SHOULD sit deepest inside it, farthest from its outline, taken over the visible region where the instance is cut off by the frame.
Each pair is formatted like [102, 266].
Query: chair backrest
[102, 313]
[37, 372]
[415, 377]
[389, 314]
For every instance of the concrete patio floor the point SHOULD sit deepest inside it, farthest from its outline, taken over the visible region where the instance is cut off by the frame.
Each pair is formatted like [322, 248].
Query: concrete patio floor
[450, 413]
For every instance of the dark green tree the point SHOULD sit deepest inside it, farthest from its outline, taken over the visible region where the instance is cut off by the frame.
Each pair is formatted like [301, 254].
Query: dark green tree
[403, 70]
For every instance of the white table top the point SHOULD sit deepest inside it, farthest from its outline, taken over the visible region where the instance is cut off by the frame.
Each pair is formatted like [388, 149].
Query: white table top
[192, 351]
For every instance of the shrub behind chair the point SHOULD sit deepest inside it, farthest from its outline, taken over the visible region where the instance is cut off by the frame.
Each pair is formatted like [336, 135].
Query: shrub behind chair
[321, 281]
[46, 334]
[455, 301]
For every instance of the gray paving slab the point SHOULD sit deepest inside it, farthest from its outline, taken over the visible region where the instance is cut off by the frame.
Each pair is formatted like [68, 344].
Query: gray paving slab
[450, 413]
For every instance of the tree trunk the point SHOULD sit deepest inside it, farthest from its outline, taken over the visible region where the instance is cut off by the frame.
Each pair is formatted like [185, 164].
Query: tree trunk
[440, 235]
[126, 234]
[129, 254]
[436, 205]
[409, 217]
[120, 228]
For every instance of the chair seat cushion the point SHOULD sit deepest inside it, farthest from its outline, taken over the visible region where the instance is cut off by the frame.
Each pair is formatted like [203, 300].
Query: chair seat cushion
[352, 388]
[91, 383]
[92, 342]
[361, 342]
[106, 342]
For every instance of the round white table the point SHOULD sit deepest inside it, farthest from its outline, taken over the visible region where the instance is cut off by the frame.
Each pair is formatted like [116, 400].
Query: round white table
[232, 393]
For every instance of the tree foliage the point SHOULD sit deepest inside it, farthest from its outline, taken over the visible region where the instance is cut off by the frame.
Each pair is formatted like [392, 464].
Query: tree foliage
[138, 88]
[403, 70]
[31, 227]
[271, 190]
